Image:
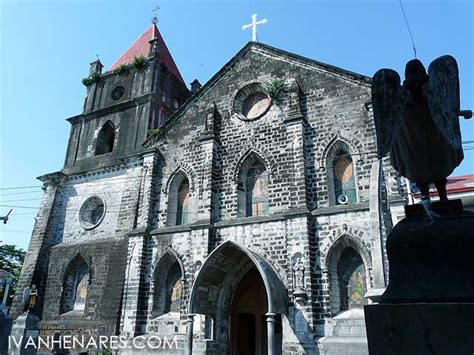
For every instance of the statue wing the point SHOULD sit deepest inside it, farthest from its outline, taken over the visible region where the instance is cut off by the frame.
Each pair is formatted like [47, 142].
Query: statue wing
[388, 102]
[442, 92]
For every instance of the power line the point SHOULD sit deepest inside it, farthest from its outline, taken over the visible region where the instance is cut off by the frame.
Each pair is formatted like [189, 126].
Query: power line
[25, 199]
[22, 193]
[107, 181]
[18, 188]
[408, 26]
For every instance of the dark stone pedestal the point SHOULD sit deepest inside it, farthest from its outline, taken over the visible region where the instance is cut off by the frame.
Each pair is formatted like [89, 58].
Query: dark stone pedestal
[420, 328]
[5, 331]
[428, 306]
[26, 326]
[431, 260]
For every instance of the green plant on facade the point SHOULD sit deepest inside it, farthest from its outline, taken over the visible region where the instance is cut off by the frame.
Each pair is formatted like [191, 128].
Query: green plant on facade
[152, 133]
[95, 77]
[275, 88]
[139, 62]
[121, 69]
[87, 81]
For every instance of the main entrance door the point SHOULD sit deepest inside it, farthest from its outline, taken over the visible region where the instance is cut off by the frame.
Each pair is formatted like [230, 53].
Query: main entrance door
[248, 325]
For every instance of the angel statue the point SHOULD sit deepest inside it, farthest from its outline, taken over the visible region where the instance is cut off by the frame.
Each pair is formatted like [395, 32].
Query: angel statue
[418, 122]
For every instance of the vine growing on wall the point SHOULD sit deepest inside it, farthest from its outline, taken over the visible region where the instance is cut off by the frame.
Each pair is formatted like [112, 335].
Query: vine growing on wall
[275, 88]
[139, 62]
[95, 77]
[152, 133]
[121, 69]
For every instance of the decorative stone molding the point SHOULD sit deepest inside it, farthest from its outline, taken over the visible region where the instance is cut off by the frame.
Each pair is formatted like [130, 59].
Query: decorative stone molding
[262, 154]
[185, 169]
[355, 147]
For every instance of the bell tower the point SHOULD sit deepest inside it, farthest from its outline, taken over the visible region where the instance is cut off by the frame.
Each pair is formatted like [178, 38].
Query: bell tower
[138, 93]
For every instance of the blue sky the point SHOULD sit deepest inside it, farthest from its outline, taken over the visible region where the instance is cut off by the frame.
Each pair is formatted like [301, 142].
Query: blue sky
[46, 48]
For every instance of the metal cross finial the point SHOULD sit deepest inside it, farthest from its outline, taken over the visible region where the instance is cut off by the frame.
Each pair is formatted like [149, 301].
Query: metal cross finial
[254, 26]
[154, 20]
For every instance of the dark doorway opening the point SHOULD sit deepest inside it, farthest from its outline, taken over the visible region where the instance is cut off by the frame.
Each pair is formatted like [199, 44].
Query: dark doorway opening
[248, 324]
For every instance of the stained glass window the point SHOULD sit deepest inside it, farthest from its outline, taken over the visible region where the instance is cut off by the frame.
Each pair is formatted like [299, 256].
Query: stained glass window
[344, 183]
[351, 277]
[183, 203]
[81, 289]
[255, 105]
[257, 190]
[176, 296]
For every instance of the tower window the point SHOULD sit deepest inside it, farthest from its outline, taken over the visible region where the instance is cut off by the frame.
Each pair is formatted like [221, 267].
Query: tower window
[105, 139]
[175, 103]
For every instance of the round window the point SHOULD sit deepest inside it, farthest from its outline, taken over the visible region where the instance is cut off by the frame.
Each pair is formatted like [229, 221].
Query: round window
[255, 105]
[92, 212]
[251, 102]
[117, 93]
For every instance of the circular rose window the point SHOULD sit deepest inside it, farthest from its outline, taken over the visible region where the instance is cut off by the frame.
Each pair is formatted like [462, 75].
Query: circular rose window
[255, 105]
[92, 212]
[251, 102]
[117, 93]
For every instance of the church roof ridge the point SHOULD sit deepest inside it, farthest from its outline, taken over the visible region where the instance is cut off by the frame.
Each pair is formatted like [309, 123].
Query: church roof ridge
[332, 68]
[215, 78]
[141, 47]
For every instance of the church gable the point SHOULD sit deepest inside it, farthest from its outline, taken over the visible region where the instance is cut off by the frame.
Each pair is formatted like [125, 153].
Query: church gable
[260, 63]
[248, 108]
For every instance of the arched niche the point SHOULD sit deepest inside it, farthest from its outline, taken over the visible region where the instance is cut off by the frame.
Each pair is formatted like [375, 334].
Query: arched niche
[76, 283]
[168, 279]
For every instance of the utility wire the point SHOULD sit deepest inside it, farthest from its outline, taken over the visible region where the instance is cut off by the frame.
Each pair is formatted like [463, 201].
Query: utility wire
[18, 188]
[468, 146]
[408, 26]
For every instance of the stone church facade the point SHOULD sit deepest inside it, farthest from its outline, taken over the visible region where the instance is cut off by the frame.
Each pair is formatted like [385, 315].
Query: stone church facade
[248, 215]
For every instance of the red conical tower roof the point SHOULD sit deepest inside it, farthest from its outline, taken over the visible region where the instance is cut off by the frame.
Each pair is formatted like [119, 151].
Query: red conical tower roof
[141, 47]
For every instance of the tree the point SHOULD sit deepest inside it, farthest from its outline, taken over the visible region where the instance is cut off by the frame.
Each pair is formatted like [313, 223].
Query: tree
[11, 260]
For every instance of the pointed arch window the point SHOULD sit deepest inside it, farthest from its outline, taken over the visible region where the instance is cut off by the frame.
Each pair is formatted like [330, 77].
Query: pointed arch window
[253, 187]
[105, 139]
[344, 183]
[348, 278]
[179, 200]
[75, 286]
[183, 203]
[351, 279]
[168, 285]
[341, 175]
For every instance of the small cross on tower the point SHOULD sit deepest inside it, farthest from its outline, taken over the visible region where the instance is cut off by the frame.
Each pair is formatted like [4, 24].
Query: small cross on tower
[254, 26]
[154, 20]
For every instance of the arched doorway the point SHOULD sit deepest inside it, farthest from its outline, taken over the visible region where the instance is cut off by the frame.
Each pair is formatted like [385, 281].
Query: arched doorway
[248, 323]
[244, 296]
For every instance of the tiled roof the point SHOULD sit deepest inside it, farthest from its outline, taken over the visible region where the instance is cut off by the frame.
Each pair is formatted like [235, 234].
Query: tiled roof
[458, 184]
[141, 47]
[455, 185]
